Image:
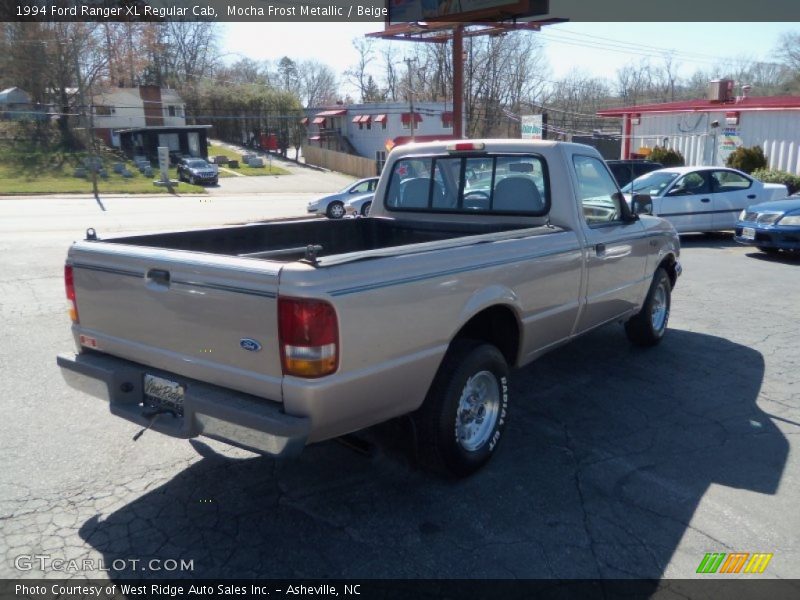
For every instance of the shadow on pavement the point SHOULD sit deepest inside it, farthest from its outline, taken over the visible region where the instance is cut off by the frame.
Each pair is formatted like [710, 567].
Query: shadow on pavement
[714, 239]
[608, 453]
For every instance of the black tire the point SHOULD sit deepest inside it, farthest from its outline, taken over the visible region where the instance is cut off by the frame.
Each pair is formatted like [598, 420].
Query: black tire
[768, 250]
[335, 210]
[365, 209]
[647, 328]
[468, 366]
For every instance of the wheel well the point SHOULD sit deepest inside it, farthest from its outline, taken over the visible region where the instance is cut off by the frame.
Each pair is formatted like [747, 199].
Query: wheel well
[496, 325]
[668, 264]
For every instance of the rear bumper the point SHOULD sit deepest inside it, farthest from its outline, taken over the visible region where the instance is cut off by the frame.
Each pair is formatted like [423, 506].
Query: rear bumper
[232, 417]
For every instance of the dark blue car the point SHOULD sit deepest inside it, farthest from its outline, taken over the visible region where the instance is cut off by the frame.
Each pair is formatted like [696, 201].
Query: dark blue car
[771, 226]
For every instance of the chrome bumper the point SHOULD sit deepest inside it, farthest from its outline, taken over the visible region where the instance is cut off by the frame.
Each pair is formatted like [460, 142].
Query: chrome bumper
[232, 417]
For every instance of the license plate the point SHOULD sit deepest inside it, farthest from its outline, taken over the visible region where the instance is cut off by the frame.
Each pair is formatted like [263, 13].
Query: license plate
[748, 233]
[163, 392]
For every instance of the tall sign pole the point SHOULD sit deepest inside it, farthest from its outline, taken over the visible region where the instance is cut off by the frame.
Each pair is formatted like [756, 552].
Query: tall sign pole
[458, 81]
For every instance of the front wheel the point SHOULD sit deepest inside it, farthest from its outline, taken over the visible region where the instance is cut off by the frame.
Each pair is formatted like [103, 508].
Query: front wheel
[464, 414]
[365, 209]
[335, 210]
[648, 326]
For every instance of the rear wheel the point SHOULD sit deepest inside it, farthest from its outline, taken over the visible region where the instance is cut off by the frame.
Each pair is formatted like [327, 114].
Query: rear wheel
[365, 208]
[648, 326]
[335, 210]
[464, 414]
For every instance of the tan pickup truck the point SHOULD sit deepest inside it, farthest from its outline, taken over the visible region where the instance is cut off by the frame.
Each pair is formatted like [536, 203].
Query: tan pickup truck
[477, 257]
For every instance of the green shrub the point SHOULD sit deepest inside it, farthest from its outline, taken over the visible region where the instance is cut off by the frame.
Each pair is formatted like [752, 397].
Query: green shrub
[773, 176]
[667, 157]
[747, 159]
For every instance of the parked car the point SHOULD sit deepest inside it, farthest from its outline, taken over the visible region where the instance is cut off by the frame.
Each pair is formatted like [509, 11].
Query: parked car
[771, 226]
[333, 206]
[625, 171]
[197, 171]
[702, 198]
[359, 205]
[319, 329]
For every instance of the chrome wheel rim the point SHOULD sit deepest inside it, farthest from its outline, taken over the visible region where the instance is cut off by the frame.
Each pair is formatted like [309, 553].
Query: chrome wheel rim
[367, 206]
[478, 409]
[658, 310]
[337, 210]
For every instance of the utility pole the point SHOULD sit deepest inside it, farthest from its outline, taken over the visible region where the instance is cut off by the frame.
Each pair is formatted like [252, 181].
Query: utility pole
[93, 163]
[408, 62]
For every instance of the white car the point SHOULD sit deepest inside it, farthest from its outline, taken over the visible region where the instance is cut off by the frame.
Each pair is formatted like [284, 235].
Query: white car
[702, 198]
[359, 205]
[332, 206]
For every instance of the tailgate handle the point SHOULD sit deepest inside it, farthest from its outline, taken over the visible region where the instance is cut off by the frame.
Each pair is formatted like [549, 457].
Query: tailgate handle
[751, 196]
[159, 276]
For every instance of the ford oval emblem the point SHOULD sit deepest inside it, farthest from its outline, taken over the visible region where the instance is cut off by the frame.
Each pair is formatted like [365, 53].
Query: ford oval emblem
[250, 344]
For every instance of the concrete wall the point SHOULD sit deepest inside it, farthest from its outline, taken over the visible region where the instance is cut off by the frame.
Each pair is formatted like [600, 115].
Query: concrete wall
[338, 161]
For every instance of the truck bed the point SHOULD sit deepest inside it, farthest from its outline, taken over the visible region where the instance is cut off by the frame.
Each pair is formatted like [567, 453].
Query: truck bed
[288, 241]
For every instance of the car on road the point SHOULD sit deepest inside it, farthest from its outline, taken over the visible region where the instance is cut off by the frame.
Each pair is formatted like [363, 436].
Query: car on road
[702, 198]
[625, 171]
[332, 206]
[771, 226]
[197, 171]
[359, 205]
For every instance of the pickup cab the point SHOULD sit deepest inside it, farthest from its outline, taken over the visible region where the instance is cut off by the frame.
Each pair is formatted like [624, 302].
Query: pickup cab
[477, 257]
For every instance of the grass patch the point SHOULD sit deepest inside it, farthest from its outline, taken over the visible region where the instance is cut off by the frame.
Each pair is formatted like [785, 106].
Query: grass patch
[53, 173]
[243, 169]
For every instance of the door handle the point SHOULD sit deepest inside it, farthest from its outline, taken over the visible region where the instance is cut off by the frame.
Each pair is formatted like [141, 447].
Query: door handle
[705, 200]
[600, 249]
[159, 276]
[751, 196]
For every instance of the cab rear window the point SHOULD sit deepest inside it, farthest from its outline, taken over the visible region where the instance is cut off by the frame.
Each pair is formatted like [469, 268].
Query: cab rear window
[497, 184]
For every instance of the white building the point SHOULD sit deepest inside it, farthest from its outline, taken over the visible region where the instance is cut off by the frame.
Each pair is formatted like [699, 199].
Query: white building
[371, 130]
[707, 131]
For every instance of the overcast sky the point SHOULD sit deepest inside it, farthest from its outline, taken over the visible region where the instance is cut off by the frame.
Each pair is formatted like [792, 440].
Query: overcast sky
[596, 48]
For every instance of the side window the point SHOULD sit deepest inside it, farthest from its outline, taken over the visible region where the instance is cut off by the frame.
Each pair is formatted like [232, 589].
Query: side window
[728, 181]
[372, 184]
[691, 184]
[361, 188]
[597, 192]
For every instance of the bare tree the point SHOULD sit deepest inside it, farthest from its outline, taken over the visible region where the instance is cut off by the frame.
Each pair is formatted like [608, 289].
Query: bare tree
[358, 74]
[318, 85]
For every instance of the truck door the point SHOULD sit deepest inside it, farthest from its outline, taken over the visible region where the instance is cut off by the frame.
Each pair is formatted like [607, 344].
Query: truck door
[616, 250]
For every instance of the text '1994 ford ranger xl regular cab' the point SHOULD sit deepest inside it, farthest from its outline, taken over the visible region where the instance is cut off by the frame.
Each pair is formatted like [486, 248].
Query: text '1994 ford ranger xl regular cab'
[477, 256]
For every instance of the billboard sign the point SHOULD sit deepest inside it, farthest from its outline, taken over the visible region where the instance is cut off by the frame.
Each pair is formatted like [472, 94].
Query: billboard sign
[532, 127]
[411, 11]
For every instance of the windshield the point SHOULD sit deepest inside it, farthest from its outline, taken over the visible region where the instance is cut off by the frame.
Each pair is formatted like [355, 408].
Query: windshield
[653, 183]
[196, 164]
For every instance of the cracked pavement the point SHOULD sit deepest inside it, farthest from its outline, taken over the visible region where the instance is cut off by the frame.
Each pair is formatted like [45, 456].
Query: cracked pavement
[616, 462]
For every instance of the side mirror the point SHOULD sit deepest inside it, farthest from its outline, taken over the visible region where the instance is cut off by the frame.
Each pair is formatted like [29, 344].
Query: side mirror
[642, 204]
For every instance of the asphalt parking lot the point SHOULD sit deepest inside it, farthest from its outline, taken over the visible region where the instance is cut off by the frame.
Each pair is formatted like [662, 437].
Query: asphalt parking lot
[617, 462]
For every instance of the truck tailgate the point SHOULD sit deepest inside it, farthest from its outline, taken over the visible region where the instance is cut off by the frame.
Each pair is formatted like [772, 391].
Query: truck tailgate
[183, 312]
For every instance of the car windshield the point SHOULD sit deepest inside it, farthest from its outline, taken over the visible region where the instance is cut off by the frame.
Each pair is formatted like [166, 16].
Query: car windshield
[196, 164]
[653, 183]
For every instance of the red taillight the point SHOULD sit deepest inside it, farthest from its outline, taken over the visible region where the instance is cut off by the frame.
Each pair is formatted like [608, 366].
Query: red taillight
[69, 284]
[465, 146]
[309, 337]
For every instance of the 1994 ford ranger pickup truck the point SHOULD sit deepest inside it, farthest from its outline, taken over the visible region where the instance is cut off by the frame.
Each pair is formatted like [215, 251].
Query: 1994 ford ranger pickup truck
[477, 256]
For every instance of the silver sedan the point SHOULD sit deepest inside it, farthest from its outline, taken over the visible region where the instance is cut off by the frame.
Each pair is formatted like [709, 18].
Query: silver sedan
[333, 206]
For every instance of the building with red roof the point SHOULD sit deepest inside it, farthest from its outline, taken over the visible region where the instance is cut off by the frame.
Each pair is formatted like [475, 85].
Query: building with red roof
[706, 131]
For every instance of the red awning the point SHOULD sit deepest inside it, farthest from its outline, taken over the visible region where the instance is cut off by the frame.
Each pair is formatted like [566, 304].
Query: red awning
[406, 118]
[447, 117]
[319, 121]
[356, 119]
[332, 113]
[304, 121]
[380, 118]
[366, 118]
